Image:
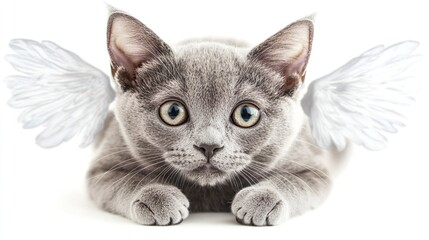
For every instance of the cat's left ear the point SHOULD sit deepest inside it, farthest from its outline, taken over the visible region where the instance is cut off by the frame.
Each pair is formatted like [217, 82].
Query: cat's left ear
[131, 45]
[287, 52]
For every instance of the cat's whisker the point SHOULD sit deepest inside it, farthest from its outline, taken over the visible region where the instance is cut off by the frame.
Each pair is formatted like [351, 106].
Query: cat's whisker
[236, 182]
[176, 177]
[239, 179]
[145, 151]
[232, 181]
[253, 170]
[139, 170]
[180, 181]
[302, 180]
[108, 155]
[276, 175]
[305, 184]
[165, 168]
[113, 184]
[171, 175]
[179, 178]
[322, 175]
[118, 152]
[147, 175]
[124, 163]
[322, 179]
[128, 177]
[250, 176]
[267, 178]
[184, 179]
[161, 175]
[229, 181]
[244, 175]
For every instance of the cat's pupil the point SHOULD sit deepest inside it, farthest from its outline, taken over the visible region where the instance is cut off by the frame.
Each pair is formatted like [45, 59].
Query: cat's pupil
[173, 111]
[246, 113]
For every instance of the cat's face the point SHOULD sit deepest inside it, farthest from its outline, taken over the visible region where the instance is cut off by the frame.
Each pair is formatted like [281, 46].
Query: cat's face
[207, 109]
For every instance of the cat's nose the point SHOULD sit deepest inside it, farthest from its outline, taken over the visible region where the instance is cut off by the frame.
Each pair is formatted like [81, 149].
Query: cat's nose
[208, 149]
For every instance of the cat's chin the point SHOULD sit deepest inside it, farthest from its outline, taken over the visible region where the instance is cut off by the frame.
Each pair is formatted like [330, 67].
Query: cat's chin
[206, 175]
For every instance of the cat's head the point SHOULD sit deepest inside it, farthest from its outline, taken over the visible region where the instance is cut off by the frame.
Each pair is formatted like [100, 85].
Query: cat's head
[209, 109]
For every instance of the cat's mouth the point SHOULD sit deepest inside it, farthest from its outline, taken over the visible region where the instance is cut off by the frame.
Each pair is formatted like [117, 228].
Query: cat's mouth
[206, 174]
[208, 168]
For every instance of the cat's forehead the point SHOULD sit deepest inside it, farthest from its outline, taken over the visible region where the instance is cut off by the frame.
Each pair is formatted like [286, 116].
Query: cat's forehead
[210, 62]
[210, 70]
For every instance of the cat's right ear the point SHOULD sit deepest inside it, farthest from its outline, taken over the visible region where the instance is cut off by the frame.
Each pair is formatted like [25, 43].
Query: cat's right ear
[287, 53]
[131, 44]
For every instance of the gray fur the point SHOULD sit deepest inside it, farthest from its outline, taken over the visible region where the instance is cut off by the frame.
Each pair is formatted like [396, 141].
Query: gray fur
[151, 173]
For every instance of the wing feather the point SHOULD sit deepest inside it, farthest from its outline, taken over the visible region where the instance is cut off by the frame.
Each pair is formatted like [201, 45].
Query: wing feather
[359, 101]
[58, 91]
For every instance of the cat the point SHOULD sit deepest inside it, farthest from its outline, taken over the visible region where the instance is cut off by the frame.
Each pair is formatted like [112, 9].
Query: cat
[207, 126]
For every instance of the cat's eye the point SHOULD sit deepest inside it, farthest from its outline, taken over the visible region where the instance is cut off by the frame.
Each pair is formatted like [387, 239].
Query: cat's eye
[173, 113]
[246, 115]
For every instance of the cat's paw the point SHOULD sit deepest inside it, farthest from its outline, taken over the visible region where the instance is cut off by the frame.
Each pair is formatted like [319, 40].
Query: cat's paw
[158, 204]
[260, 206]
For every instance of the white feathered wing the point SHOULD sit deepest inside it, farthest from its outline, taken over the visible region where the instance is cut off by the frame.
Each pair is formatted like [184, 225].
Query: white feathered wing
[59, 91]
[359, 101]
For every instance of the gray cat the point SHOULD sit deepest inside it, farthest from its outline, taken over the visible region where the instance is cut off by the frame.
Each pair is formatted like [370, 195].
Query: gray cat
[208, 125]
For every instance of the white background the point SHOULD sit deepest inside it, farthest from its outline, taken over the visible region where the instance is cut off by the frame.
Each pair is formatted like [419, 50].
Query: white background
[379, 195]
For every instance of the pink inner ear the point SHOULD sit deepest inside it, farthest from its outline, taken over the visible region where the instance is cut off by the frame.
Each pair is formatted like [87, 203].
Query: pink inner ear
[128, 43]
[120, 58]
[297, 66]
[287, 51]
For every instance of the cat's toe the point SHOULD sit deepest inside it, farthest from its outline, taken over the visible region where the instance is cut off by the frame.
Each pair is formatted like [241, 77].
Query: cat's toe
[159, 205]
[259, 206]
[277, 215]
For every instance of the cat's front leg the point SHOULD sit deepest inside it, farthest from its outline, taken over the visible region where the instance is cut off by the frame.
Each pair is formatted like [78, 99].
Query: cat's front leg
[158, 204]
[135, 197]
[279, 197]
[260, 206]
